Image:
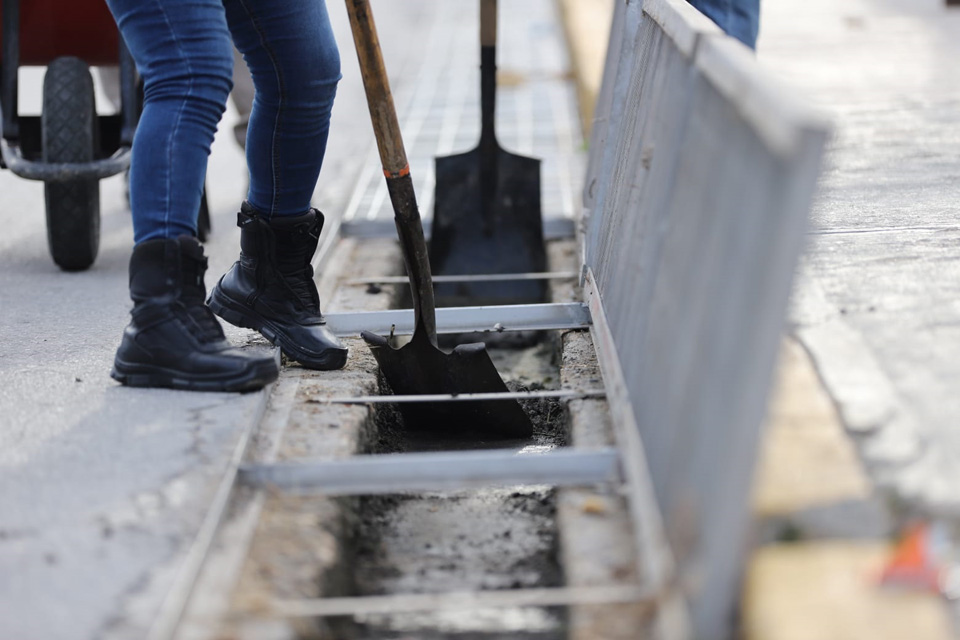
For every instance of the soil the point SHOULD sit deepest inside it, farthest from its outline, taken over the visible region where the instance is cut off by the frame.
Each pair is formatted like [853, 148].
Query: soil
[469, 540]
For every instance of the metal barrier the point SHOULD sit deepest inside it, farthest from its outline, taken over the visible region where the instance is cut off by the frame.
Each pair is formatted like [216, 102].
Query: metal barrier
[699, 183]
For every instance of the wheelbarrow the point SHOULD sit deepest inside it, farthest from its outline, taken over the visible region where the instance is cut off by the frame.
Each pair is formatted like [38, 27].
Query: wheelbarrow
[70, 147]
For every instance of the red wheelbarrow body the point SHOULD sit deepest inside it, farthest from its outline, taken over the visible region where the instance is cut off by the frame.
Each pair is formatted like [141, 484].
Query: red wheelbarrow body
[70, 146]
[50, 29]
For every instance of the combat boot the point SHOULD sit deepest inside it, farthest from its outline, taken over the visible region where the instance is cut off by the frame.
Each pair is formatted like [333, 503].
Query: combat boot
[173, 339]
[271, 288]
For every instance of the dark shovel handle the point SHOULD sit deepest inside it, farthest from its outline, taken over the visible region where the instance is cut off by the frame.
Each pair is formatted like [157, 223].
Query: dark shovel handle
[386, 128]
[489, 148]
[488, 73]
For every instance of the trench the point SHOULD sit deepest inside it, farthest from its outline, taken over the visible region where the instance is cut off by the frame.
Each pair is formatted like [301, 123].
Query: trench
[316, 546]
[503, 538]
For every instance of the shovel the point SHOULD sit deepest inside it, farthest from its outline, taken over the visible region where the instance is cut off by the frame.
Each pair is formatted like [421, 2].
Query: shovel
[487, 214]
[420, 367]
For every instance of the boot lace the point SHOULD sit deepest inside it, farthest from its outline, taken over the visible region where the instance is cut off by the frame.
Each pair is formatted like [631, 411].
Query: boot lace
[295, 269]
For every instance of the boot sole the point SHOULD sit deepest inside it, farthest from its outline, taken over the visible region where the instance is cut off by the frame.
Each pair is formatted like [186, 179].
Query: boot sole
[239, 316]
[141, 375]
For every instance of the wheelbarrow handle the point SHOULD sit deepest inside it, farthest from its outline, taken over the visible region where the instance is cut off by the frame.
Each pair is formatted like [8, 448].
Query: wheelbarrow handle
[386, 128]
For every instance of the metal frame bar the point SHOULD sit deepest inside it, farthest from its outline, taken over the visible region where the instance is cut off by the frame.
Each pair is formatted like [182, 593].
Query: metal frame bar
[488, 277]
[400, 472]
[62, 171]
[559, 394]
[8, 73]
[519, 317]
[453, 601]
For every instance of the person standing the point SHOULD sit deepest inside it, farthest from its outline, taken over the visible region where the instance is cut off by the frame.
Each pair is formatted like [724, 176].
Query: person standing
[183, 50]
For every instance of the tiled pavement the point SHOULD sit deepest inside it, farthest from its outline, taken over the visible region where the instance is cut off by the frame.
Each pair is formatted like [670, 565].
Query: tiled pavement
[439, 109]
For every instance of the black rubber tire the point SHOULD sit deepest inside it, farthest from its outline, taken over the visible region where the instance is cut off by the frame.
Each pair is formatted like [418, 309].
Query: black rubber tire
[69, 134]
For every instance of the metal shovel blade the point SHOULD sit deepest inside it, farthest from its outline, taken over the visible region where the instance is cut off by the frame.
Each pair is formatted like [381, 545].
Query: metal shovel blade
[488, 225]
[487, 215]
[419, 368]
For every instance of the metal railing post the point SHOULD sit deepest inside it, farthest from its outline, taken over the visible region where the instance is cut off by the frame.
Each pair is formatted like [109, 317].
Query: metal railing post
[11, 64]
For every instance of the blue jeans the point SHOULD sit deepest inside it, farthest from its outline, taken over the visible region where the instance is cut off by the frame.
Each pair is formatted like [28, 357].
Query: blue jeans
[738, 18]
[184, 52]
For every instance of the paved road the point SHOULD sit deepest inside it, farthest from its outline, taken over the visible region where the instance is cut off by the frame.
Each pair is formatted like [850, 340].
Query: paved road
[877, 304]
[102, 488]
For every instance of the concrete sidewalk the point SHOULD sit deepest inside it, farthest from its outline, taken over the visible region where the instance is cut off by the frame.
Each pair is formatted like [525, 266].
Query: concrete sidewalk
[102, 488]
[877, 304]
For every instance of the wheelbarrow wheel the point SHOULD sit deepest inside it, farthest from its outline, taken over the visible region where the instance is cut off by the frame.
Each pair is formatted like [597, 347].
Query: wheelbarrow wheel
[69, 135]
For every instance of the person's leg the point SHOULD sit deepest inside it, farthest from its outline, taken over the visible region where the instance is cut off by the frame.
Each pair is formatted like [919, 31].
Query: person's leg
[290, 49]
[183, 52]
[738, 18]
[293, 58]
[182, 49]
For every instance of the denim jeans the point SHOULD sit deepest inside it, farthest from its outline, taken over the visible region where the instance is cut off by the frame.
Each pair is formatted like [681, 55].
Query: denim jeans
[738, 18]
[184, 52]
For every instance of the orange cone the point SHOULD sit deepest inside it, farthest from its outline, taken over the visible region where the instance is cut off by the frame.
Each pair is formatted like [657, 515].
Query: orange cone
[914, 564]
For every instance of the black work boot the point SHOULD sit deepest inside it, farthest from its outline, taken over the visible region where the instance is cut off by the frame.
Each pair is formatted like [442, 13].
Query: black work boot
[173, 339]
[271, 287]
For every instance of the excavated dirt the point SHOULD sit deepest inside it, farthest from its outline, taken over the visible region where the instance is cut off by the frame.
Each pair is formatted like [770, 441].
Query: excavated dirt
[463, 541]
[442, 542]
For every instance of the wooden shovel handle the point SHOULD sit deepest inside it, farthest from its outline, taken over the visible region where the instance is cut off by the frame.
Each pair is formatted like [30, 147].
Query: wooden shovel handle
[488, 23]
[375, 82]
[395, 168]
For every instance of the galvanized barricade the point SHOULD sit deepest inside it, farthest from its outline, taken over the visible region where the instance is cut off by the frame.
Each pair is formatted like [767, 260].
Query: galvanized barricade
[699, 183]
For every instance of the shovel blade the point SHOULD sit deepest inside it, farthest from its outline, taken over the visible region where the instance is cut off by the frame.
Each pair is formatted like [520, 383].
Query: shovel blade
[420, 368]
[506, 239]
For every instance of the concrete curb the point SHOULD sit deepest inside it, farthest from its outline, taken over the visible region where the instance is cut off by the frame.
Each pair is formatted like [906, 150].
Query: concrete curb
[596, 533]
